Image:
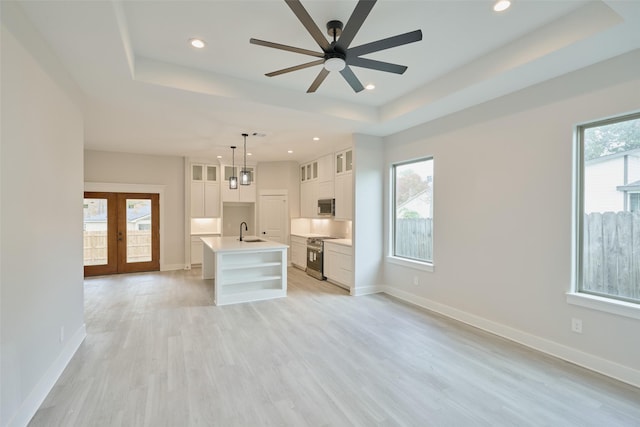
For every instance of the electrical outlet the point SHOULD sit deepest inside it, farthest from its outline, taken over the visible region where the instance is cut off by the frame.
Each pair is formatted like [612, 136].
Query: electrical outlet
[415, 280]
[576, 325]
[61, 333]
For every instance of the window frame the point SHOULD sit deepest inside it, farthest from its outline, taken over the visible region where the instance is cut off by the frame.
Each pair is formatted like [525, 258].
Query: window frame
[392, 257]
[627, 307]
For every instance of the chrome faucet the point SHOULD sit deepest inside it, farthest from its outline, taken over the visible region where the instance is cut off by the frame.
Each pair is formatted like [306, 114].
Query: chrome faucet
[245, 229]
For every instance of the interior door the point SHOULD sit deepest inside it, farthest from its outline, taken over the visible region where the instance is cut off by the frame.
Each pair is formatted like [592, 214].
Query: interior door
[121, 233]
[273, 217]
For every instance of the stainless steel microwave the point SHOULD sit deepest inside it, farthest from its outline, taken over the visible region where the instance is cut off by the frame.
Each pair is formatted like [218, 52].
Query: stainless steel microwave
[326, 207]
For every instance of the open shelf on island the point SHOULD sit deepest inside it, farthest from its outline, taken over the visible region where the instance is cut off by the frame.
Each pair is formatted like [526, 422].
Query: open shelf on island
[245, 272]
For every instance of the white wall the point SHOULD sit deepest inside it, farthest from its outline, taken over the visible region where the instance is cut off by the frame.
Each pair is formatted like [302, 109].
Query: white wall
[168, 171]
[281, 176]
[41, 223]
[368, 213]
[503, 216]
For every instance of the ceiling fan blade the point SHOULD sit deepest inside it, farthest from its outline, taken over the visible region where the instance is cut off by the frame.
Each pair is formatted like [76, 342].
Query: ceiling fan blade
[285, 47]
[318, 81]
[387, 43]
[351, 78]
[303, 16]
[377, 65]
[356, 20]
[295, 68]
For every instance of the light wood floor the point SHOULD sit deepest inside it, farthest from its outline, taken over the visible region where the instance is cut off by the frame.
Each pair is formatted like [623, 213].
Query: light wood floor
[157, 353]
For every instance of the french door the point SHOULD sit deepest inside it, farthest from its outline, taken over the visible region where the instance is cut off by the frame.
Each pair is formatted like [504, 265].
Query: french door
[121, 233]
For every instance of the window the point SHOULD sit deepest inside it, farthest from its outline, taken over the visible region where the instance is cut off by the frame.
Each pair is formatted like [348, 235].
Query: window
[608, 209]
[413, 210]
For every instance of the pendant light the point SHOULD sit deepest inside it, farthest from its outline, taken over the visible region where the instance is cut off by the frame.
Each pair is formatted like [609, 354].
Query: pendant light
[245, 176]
[233, 179]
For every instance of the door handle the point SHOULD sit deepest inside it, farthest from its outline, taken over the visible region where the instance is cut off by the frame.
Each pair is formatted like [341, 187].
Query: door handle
[264, 232]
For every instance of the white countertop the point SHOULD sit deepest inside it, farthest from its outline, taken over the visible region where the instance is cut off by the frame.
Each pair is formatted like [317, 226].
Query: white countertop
[343, 242]
[232, 244]
[307, 235]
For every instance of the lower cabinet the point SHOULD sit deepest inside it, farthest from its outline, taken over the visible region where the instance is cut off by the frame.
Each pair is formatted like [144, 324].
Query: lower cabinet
[196, 250]
[299, 252]
[338, 264]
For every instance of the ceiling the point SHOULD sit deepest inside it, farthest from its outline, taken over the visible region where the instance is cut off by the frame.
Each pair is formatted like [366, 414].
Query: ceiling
[146, 90]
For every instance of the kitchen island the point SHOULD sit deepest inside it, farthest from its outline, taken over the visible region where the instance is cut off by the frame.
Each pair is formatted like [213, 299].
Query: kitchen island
[243, 271]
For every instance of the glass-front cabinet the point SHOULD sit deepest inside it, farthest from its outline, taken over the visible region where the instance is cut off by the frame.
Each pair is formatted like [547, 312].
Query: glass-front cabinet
[344, 161]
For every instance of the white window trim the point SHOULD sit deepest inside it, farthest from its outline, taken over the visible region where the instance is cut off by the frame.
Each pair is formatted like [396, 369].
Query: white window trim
[406, 262]
[575, 296]
[608, 305]
[391, 258]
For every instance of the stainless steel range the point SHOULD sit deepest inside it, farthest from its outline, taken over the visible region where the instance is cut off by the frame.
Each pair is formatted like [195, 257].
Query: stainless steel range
[315, 256]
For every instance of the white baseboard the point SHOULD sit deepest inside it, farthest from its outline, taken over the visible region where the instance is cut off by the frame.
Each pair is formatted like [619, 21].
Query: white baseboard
[366, 290]
[594, 363]
[171, 267]
[33, 401]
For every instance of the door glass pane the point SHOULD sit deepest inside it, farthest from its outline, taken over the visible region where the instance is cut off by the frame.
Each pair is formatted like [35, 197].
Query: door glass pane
[138, 230]
[339, 158]
[95, 232]
[348, 161]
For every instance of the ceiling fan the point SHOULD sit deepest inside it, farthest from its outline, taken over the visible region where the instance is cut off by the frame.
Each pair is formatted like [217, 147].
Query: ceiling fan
[337, 55]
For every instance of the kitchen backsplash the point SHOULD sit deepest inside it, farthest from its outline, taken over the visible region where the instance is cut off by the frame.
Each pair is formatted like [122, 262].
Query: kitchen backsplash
[323, 226]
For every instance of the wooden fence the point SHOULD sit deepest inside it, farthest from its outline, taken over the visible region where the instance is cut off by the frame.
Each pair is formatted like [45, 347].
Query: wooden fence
[414, 238]
[95, 246]
[611, 254]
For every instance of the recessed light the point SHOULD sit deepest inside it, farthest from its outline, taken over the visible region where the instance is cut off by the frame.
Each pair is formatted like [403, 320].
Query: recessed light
[290, 151]
[501, 5]
[249, 154]
[315, 138]
[197, 43]
[219, 157]
[370, 86]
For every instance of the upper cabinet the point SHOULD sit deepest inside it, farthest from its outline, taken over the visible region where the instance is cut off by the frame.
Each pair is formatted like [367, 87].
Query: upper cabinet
[326, 188]
[244, 193]
[316, 182]
[309, 171]
[205, 191]
[344, 184]
[344, 161]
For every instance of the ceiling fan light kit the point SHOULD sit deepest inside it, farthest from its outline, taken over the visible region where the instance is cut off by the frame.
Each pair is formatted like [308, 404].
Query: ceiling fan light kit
[334, 64]
[337, 55]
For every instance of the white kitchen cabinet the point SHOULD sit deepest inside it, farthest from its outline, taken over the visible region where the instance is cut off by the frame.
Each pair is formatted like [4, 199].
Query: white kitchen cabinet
[309, 199]
[299, 252]
[309, 171]
[338, 264]
[344, 196]
[344, 161]
[244, 193]
[205, 191]
[196, 250]
[326, 181]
